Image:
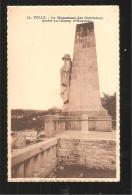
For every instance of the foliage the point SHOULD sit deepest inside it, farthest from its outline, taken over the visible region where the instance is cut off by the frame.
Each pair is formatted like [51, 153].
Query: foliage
[109, 103]
[30, 119]
[26, 123]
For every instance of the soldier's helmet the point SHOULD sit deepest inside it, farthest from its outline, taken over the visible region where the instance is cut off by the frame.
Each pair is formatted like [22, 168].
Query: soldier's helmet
[66, 57]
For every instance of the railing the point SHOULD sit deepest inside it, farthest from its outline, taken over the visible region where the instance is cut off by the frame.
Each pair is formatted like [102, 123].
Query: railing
[91, 123]
[59, 124]
[55, 124]
[37, 160]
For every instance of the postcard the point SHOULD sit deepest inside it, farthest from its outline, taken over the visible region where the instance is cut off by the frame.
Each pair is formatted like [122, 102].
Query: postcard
[63, 93]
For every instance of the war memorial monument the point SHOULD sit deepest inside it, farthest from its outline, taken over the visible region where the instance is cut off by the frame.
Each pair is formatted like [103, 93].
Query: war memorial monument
[80, 82]
[80, 138]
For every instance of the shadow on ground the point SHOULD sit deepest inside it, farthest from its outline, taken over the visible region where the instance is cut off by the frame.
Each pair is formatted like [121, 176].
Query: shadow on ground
[82, 172]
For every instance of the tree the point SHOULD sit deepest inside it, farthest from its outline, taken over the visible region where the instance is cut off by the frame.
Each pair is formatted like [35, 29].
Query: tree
[109, 103]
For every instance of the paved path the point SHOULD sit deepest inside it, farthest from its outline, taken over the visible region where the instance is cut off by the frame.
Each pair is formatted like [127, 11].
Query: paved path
[90, 135]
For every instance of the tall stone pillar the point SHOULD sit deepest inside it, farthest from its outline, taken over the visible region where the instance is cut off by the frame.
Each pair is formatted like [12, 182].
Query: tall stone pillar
[84, 86]
[84, 93]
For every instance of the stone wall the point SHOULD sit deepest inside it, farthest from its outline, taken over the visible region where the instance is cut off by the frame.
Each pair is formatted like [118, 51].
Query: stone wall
[99, 154]
[95, 123]
[37, 160]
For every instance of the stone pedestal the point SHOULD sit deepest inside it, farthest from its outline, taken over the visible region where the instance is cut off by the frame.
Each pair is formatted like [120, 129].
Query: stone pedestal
[49, 125]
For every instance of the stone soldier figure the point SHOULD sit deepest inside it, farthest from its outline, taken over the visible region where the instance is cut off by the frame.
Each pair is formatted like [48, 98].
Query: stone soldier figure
[65, 77]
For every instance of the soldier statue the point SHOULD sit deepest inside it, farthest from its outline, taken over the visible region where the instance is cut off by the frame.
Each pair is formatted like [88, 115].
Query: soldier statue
[65, 78]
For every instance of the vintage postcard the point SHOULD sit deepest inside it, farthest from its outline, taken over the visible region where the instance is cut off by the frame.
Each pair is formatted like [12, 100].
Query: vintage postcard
[63, 93]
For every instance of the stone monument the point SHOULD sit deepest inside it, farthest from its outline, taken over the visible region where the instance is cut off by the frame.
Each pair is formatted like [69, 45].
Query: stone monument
[80, 82]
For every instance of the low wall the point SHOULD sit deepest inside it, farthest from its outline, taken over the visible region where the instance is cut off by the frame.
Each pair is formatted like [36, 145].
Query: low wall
[100, 154]
[54, 124]
[96, 123]
[37, 160]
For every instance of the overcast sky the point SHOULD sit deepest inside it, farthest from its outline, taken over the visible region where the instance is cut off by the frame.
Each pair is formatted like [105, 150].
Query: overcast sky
[35, 49]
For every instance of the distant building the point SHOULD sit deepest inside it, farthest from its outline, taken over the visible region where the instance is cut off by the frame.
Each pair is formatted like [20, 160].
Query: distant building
[17, 116]
[54, 110]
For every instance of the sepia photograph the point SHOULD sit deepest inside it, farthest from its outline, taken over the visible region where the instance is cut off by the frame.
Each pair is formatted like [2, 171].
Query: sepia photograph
[63, 93]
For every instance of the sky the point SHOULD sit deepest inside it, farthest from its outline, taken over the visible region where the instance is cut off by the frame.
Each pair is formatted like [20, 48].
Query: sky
[36, 48]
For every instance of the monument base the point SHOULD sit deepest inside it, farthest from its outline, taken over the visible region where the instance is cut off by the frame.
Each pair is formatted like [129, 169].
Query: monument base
[97, 120]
